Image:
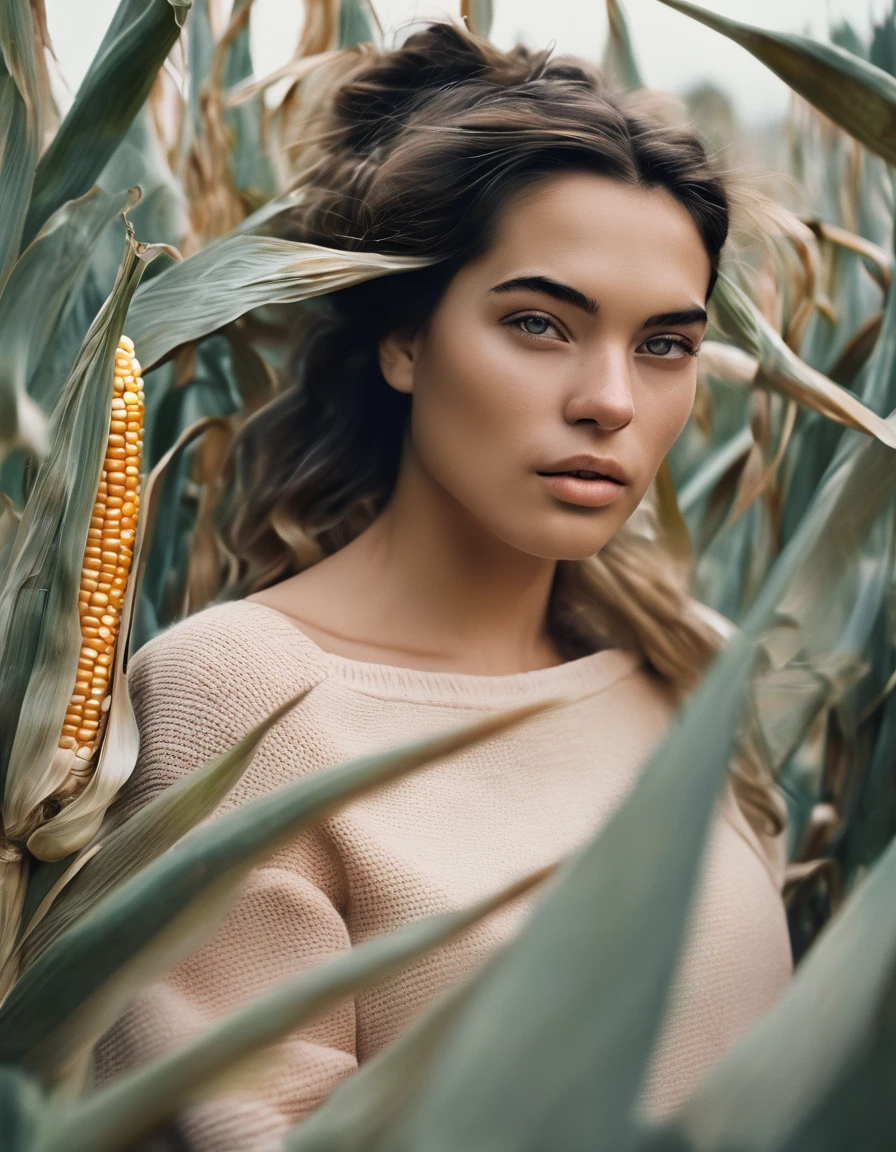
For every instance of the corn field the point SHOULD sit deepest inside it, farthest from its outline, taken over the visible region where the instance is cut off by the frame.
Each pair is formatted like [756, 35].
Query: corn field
[143, 224]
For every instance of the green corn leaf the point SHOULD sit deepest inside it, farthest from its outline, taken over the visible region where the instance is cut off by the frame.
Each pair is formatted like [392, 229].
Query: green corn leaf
[155, 560]
[181, 10]
[226, 280]
[21, 1109]
[806, 597]
[138, 1101]
[37, 296]
[20, 127]
[620, 63]
[70, 996]
[140, 160]
[140, 36]
[525, 1060]
[201, 53]
[527, 1065]
[365, 1110]
[713, 468]
[355, 26]
[252, 172]
[538, 1056]
[815, 1074]
[152, 830]
[853, 93]
[40, 634]
[478, 16]
[160, 214]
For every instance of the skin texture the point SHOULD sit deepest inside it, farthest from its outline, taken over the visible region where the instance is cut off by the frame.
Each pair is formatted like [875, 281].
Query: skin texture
[455, 573]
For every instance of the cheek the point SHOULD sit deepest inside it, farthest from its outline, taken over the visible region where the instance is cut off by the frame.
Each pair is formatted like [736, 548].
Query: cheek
[666, 410]
[470, 408]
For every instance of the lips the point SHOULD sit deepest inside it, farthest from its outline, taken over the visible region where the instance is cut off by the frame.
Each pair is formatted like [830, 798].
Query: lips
[588, 481]
[588, 468]
[580, 474]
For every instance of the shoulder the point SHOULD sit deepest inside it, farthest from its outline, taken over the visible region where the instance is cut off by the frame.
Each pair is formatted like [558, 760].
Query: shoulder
[201, 685]
[771, 850]
[237, 644]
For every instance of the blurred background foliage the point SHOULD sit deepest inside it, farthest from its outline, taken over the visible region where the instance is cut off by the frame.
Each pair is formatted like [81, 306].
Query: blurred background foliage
[776, 505]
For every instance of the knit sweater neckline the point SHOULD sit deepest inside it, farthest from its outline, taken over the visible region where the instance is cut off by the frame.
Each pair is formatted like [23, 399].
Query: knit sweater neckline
[585, 675]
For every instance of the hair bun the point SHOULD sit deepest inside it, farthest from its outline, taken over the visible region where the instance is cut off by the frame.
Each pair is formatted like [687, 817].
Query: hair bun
[375, 104]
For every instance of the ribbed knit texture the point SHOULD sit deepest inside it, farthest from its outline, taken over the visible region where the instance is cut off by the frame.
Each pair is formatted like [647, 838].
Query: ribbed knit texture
[437, 840]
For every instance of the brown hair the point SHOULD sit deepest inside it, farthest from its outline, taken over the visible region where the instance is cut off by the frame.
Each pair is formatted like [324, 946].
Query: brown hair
[415, 151]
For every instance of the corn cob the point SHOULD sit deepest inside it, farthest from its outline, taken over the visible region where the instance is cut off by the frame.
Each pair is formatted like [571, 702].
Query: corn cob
[104, 575]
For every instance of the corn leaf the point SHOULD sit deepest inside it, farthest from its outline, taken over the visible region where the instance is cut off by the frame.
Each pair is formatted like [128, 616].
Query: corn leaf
[200, 54]
[38, 293]
[713, 469]
[138, 39]
[140, 159]
[847, 89]
[21, 1107]
[478, 16]
[250, 88]
[39, 627]
[13, 887]
[620, 62]
[242, 272]
[20, 127]
[549, 1047]
[365, 1110]
[355, 21]
[9, 523]
[135, 1103]
[68, 998]
[152, 830]
[152, 552]
[879, 389]
[527, 1064]
[877, 260]
[814, 1074]
[784, 372]
[40, 897]
[551, 1075]
[253, 174]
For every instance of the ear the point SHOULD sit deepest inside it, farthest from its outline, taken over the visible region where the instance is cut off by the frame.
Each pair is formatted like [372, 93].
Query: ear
[397, 353]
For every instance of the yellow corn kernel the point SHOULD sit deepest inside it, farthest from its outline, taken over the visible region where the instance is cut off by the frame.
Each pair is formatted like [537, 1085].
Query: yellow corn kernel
[106, 566]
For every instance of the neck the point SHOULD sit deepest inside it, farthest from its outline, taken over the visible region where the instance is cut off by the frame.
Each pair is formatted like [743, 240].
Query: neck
[429, 586]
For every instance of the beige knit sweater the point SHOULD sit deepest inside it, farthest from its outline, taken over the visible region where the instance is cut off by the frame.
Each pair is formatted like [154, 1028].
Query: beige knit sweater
[451, 833]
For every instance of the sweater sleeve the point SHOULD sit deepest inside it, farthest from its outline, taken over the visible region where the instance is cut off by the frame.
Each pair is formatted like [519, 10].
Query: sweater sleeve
[197, 689]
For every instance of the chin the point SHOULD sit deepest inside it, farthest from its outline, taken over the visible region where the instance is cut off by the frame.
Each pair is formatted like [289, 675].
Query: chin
[554, 544]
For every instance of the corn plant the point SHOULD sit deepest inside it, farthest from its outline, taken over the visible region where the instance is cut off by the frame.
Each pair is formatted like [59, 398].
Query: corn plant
[777, 501]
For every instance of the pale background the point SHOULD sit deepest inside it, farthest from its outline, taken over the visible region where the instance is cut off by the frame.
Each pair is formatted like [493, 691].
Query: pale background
[675, 52]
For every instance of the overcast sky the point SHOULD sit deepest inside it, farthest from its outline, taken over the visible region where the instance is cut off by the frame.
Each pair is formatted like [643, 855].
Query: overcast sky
[675, 52]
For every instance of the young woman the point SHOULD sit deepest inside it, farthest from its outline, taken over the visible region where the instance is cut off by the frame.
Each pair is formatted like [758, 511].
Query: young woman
[434, 528]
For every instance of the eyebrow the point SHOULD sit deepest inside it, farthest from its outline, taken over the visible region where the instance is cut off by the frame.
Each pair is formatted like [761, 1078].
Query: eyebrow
[568, 295]
[677, 319]
[552, 288]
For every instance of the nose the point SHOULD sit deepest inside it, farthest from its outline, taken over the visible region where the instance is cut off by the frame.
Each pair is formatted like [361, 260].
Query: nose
[602, 394]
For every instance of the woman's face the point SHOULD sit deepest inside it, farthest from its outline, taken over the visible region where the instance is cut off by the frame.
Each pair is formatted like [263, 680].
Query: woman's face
[559, 366]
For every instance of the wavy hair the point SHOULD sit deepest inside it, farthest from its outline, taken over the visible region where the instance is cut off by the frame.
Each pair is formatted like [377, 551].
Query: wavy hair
[413, 152]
